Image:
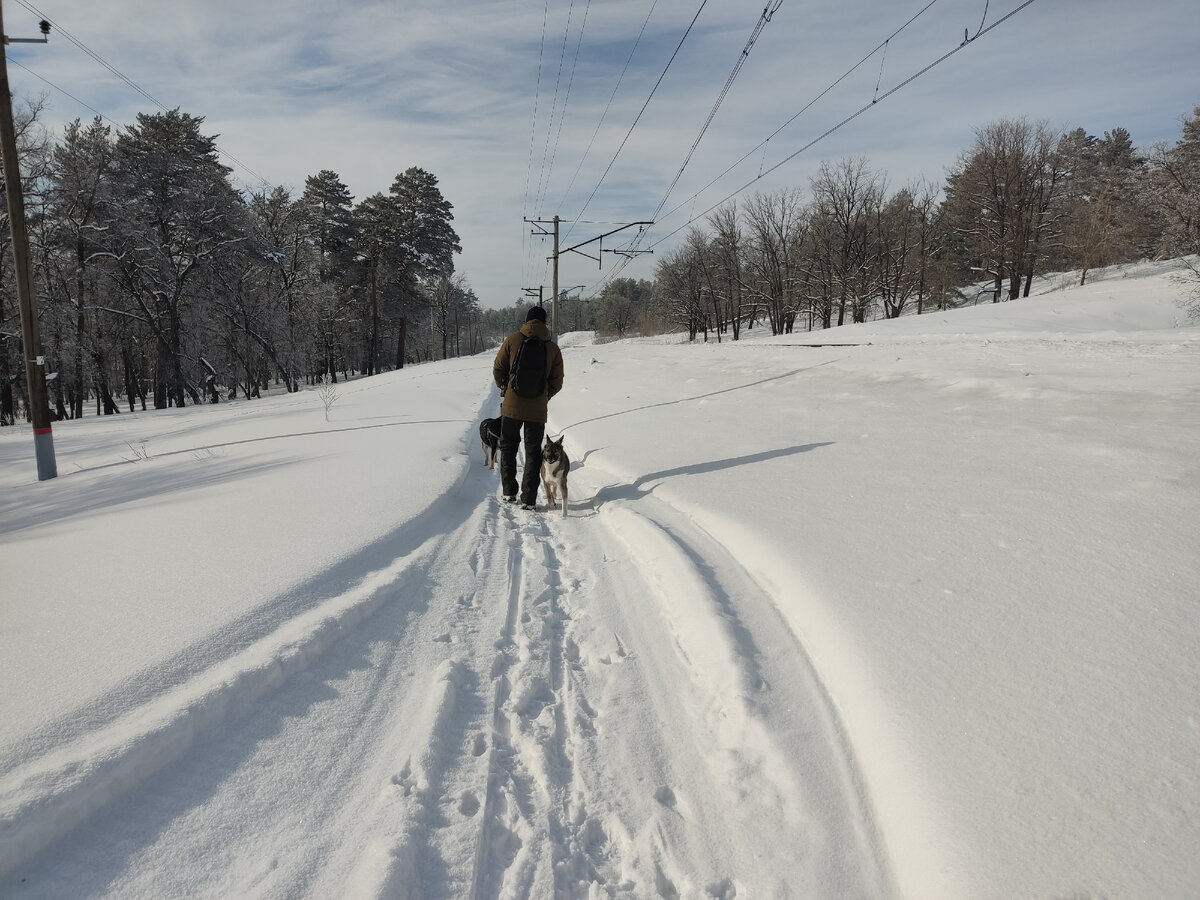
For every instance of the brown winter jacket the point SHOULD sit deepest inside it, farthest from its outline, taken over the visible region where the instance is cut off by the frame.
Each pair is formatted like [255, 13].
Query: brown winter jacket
[527, 409]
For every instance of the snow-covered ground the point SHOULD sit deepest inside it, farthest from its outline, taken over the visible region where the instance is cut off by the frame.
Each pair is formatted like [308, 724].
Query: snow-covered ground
[913, 614]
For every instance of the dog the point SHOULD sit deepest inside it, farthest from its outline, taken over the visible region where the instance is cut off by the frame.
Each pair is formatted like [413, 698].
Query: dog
[489, 433]
[555, 466]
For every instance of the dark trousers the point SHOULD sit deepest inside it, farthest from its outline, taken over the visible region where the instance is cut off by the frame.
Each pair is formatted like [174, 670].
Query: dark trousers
[510, 438]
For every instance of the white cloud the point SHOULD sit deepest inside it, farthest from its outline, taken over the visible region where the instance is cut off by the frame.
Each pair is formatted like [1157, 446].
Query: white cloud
[368, 89]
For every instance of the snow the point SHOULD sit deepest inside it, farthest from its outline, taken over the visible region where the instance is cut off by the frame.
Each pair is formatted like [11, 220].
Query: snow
[912, 614]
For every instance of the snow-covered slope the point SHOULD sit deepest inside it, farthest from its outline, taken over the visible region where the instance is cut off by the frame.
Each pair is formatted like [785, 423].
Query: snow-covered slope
[910, 616]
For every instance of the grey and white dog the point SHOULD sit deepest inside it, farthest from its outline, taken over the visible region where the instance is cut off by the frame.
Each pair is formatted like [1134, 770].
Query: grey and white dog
[555, 466]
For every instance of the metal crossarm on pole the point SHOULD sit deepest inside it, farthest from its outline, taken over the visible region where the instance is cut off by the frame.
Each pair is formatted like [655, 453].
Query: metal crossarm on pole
[575, 249]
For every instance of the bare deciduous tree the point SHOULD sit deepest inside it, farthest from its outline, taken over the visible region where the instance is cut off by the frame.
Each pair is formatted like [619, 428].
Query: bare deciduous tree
[1002, 194]
[777, 225]
[846, 197]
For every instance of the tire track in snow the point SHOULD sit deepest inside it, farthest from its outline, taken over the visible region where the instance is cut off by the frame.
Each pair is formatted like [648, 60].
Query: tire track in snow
[749, 793]
[379, 697]
[518, 711]
[490, 841]
[679, 776]
[58, 790]
[457, 755]
[516, 848]
[536, 838]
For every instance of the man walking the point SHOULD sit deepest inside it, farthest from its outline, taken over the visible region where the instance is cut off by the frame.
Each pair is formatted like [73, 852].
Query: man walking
[529, 371]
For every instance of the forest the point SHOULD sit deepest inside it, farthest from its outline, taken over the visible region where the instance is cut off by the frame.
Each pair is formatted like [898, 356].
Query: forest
[161, 284]
[1023, 200]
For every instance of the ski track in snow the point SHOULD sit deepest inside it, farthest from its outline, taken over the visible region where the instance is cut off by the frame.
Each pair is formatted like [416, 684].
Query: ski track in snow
[490, 714]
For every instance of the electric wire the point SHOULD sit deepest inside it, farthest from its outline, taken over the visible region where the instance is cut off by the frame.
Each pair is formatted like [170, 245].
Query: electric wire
[986, 4]
[604, 114]
[552, 155]
[570, 83]
[854, 115]
[58, 29]
[762, 145]
[642, 111]
[637, 119]
[544, 175]
[767, 13]
[879, 77]
[537, 94]
[65, 93]
[126, 79]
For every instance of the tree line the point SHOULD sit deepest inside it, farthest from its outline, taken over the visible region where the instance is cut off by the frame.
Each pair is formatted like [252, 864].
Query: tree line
[161, 284]
[1023, 200]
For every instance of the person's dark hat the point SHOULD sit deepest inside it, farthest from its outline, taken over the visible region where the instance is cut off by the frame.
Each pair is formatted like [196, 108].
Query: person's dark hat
[536, 312]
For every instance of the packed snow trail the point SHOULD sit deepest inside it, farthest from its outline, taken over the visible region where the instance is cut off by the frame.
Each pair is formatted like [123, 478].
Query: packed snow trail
[491, 713]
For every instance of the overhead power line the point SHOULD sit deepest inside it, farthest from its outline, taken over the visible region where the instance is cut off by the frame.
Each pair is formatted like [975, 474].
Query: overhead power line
[642, 111]
[537, 94]
[768, 11]
[562, 117]
[65, 93]
[762, 144]
[544, 176]
[58, 29]
[967, 41]
[608, 106]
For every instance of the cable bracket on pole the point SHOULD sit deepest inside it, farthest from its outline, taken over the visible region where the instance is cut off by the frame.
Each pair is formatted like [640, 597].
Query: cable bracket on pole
[600, 240]
[44, 39]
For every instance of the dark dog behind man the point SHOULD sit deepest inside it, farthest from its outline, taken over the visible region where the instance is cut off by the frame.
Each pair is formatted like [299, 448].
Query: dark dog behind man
[489, 433]
[555, 466]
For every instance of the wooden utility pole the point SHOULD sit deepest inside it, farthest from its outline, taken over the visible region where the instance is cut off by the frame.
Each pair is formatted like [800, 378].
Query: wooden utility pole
[31, 336]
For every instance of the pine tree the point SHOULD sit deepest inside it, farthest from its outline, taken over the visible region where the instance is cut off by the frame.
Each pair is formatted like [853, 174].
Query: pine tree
[280, 225]
[426, 241]
[329, 226]
[174, 209]
[78, 200]
[327, 213]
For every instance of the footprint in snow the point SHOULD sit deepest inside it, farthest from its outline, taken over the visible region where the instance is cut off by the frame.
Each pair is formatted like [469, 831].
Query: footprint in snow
[468, 804]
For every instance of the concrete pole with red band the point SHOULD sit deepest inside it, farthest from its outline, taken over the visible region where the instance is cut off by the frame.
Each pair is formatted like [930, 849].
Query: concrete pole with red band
[31, 335]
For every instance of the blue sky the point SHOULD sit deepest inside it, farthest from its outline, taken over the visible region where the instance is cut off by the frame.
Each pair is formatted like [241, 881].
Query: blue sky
[500, 99]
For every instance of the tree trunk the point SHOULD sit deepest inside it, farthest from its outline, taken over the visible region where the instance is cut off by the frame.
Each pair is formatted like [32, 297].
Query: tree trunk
[129, 375]
[8, 414]
[400, 342]
[373, 343]
[77, 400]
[160, 376]
[105, 399]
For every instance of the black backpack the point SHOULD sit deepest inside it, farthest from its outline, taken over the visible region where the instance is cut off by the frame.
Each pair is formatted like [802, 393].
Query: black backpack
[527, 377]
